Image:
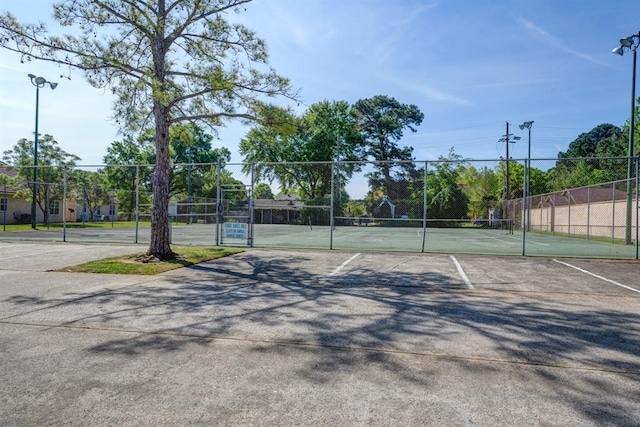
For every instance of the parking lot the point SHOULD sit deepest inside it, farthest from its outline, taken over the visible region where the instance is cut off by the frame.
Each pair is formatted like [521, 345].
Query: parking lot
[286, 337]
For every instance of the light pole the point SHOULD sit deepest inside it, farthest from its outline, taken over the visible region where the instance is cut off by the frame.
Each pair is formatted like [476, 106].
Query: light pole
[38, 82]
[631, 43]
[527, 170]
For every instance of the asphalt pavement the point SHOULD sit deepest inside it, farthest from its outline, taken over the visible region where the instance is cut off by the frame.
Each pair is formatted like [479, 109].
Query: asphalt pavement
[286, 337]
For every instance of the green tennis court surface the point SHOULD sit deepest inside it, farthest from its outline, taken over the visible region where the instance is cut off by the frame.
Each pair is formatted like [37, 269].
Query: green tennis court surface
[462, 240]
[437, 240]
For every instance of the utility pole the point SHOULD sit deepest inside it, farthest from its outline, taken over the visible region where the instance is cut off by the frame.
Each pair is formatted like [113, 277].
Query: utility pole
[507, 138]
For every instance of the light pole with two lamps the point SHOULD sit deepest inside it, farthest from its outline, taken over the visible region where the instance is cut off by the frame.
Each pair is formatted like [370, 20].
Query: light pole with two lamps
[38, 82]
[527, 169]
[631, 43]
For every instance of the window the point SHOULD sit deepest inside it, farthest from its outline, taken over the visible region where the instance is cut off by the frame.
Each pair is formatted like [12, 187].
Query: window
[54, 207]
[3, 204]
[112, 210]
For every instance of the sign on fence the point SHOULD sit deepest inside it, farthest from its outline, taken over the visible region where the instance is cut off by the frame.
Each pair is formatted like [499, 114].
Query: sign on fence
[234, 230]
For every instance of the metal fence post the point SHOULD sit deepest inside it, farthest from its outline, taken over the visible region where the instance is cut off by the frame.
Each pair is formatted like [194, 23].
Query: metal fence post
[64, 203]
[524, 207]
[424, 204]
[6, 204]
[218, 201]
[613, 212]
[554, 220]
[588, 212]
[637, 159]
[569, 215]
[251, 204]
[137, 202]
[331, 220]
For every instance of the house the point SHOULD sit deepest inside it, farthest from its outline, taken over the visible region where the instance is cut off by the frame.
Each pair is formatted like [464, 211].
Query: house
[17, 210]
[13, 210]
[284, 209]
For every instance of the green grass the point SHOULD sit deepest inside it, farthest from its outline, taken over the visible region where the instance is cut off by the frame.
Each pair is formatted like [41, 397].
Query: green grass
[105, 224]
[144, 265]
[101, 224]
[73, 225]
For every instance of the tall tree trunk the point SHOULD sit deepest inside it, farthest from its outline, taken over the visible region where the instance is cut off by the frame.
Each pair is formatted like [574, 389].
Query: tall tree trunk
[160, 246]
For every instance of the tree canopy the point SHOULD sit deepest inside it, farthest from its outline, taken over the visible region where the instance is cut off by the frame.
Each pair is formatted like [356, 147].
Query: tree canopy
[602, 141]
[166, 61]
[52, 160]
[381, 121]
[287, 153]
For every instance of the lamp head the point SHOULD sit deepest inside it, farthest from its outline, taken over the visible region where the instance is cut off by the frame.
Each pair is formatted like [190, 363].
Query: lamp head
[619, 50]
[627, 42]
[526, 125]
[40, 82]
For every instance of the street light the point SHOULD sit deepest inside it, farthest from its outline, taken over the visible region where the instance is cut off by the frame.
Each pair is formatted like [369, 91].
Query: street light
[630, 43]
[38, 82]
[527, 171]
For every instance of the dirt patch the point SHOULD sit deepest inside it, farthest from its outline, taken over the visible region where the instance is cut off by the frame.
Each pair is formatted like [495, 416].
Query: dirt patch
[149, 259]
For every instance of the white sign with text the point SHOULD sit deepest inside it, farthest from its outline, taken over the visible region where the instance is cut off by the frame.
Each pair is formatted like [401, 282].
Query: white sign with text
[234, 230]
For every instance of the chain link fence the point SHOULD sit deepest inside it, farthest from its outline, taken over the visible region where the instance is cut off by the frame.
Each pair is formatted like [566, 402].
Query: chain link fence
[554, 207]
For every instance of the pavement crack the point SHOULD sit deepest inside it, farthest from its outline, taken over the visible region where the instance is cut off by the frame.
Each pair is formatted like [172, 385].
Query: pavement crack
[292, 343]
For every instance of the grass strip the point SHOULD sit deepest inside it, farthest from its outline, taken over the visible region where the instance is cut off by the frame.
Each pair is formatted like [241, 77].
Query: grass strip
[142, 264]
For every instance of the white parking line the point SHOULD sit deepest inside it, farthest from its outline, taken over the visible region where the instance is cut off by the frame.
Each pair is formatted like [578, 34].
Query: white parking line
[340, 267]
[462, 273]
[597, 276]
[41, 253]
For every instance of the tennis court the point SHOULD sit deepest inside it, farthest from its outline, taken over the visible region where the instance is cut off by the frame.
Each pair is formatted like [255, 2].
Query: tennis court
[461, 240]
[299, 337]
[467, 240]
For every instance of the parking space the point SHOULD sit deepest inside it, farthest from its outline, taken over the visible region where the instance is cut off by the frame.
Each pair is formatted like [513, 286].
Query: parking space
[272, 337]
[39, 256]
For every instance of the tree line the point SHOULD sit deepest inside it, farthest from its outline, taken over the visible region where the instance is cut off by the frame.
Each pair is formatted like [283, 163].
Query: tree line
[293, 152]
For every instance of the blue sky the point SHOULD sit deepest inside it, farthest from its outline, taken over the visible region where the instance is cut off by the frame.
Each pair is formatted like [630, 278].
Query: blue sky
[469, 65]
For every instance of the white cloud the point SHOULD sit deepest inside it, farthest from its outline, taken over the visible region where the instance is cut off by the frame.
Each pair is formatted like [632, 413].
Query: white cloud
[429, 92]
[559, 44]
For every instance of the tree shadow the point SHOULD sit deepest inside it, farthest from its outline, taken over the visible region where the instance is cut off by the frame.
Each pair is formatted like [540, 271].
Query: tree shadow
[282, 305]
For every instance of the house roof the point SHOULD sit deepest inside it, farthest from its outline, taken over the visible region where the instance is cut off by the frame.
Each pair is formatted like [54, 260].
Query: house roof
[11, 173]
[6, 170]
[278, 204]
[287, 197]
[584, 195]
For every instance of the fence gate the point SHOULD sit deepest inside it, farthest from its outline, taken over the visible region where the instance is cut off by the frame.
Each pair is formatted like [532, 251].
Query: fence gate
[236, 214]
